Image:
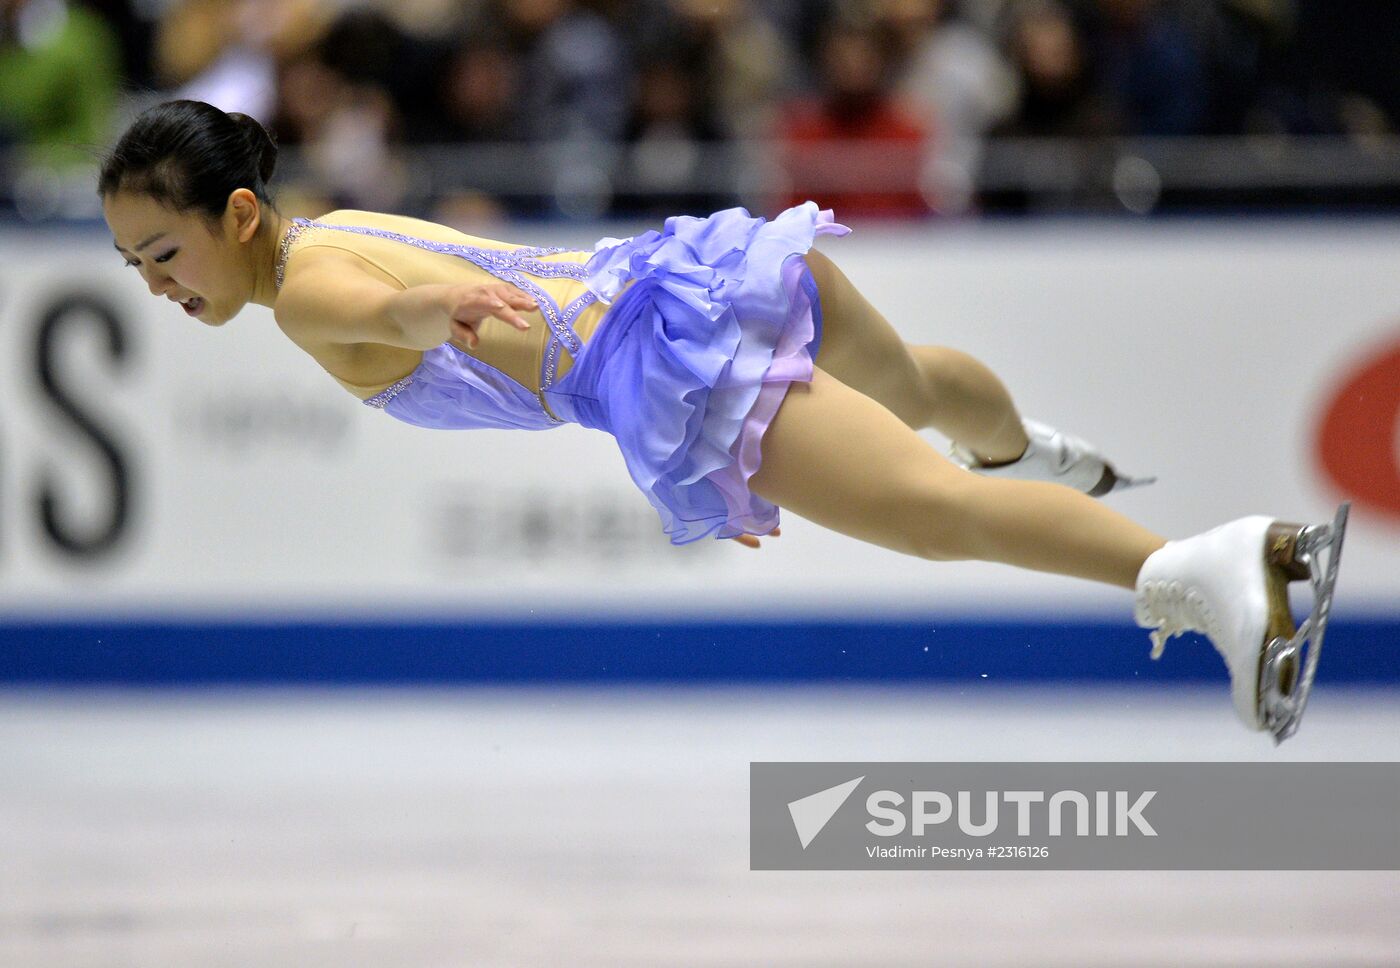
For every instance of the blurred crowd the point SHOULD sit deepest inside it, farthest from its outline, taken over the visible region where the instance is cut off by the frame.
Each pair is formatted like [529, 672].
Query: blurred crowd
[593, 107]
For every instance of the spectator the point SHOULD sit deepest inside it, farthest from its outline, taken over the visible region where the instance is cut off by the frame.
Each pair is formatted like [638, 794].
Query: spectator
[958, 79]
[670, 133]
[346, 130]
[60, 70]
[855, 147]
[740, 65]
[1150, 67]
[573, 103]
[575, 67]
[227, 52]
[1244, 44]
[479, 94]
[369, 49]
[1057, 97]
[132, 23]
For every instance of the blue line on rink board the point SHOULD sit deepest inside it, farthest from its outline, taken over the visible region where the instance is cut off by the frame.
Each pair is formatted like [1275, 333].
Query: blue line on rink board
[246, 652]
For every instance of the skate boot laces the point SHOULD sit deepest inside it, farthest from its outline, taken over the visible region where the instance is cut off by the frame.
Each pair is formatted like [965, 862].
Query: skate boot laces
[1062, 449]
[1179, 609]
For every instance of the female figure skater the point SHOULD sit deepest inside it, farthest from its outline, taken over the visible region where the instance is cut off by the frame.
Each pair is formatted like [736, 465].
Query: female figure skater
[737, 367]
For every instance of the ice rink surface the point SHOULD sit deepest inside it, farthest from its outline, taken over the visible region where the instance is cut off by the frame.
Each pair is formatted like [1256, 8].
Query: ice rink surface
[436, 828]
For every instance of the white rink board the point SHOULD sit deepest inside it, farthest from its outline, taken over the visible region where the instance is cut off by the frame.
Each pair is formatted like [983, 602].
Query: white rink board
[1202, 353]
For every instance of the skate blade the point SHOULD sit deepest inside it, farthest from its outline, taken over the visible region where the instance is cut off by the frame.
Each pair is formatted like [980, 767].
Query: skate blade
[1113, 481]
[1289, 661]
[1123, 483]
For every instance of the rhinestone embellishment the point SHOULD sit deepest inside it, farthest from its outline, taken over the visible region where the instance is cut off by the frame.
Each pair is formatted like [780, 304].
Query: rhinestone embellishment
[381, 399]
[293, 231]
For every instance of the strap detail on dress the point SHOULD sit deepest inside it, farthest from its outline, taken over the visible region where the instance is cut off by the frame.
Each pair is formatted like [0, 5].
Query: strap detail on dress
[523, 259]
[508, 265]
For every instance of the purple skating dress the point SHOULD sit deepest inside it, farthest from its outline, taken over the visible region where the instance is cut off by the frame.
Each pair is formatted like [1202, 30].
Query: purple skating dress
[686, 370]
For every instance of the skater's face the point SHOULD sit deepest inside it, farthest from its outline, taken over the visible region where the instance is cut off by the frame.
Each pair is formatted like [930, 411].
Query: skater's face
[209, 266]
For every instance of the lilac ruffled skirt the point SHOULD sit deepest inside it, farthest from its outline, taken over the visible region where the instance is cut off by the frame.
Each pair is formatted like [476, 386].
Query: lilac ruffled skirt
[688, 367]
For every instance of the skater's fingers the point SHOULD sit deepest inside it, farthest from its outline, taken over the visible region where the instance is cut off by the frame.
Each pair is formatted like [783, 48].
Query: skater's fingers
[511, 295]
[470, 313]
[751, 540]
[502, 311]
[465, 331]
[471, 310]
[502, 300]
[471, 304]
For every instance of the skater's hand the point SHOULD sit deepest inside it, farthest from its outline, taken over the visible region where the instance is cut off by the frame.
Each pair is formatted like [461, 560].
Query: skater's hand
[751, 540]
[468, 306]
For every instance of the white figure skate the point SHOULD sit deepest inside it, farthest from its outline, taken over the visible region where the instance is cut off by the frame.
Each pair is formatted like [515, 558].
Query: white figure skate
[1231, 583]
[1055, 457]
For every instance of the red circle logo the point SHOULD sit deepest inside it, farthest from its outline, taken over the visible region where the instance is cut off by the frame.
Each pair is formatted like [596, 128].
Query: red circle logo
[1359, 439]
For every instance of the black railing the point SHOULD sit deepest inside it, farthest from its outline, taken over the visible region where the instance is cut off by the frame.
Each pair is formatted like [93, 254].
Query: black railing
[592, 180]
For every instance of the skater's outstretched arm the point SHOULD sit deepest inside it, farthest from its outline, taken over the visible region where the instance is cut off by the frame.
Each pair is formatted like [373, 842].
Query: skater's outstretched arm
[332, 299]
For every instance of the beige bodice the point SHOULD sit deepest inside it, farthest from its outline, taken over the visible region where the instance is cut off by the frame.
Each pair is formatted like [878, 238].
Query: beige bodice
[518, 354]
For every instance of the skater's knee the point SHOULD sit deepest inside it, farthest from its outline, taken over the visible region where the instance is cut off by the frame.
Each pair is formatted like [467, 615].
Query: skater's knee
[945, 371]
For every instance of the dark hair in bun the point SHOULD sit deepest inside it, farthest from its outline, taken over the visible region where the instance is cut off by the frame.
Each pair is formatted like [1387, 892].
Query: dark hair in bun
[264, 148]
[189, 155]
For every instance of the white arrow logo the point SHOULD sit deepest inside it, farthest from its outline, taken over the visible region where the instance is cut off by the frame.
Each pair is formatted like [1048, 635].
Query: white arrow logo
[810, 814]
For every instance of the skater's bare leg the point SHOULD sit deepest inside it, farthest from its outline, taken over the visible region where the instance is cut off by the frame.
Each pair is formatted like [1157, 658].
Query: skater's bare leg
[925, 386]
[838, 458]
[973, 404]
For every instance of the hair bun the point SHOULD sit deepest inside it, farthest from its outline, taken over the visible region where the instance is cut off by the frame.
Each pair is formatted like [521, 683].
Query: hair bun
[260, 140]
